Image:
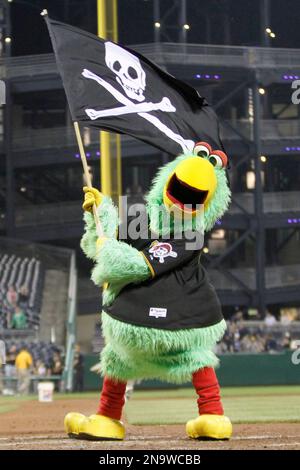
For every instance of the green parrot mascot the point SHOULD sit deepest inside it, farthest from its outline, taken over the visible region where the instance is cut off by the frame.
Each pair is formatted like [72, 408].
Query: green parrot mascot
[161, 316]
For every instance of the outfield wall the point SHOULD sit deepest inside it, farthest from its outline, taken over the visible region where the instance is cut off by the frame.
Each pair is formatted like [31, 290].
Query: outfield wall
[235, 370]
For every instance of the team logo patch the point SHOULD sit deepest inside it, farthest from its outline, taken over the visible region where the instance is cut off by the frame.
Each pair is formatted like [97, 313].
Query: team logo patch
[162, 250]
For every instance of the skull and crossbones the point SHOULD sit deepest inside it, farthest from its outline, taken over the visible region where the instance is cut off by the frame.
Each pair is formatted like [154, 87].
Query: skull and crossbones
[161, 251]
[132, 78]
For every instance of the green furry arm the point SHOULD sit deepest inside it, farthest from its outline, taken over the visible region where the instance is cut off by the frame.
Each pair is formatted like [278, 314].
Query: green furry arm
[108, 215]
[118, 262]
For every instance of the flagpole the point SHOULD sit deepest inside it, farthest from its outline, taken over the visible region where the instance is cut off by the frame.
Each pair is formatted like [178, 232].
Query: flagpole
[87, 176]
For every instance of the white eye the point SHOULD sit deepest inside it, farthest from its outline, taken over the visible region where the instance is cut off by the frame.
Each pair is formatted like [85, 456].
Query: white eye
[202, 149]
[218, 158]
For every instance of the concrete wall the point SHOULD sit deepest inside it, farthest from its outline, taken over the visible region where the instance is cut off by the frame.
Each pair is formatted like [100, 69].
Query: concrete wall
[86, 331]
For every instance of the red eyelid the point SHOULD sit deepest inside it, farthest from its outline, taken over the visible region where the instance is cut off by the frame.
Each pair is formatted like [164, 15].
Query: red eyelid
[205, 144]
[222, 155]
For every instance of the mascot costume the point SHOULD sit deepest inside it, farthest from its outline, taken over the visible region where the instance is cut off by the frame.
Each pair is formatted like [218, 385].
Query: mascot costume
[161, 317]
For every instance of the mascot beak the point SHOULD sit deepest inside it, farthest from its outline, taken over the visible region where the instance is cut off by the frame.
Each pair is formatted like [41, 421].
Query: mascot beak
[193, 183]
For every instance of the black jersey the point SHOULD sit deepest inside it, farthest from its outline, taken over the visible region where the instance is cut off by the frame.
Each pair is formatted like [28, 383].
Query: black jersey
[179, 294]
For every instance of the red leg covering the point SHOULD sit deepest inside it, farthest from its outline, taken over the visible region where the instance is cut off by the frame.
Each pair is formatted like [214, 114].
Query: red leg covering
[207, 387]
[112, 398]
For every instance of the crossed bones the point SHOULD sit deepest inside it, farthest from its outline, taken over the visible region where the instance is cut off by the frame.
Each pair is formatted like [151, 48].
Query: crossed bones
[142, 109]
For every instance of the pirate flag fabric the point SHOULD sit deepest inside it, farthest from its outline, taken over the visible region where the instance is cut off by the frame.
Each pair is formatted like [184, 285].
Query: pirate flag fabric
[117, 89]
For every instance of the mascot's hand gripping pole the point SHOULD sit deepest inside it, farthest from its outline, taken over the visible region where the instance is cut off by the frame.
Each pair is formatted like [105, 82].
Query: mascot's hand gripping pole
[87, 177]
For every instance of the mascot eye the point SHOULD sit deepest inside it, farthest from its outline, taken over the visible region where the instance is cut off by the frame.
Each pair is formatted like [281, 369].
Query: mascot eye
[202, 149]
[218, 158]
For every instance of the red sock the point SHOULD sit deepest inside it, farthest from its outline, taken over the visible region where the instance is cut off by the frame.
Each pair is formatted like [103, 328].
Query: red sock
[207, 387]
[112, 398]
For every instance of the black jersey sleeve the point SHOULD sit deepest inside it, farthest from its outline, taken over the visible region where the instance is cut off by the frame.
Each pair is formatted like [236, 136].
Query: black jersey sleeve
[163, 256]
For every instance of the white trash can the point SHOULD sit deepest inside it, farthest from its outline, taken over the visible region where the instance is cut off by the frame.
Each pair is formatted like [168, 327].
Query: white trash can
[45, 391]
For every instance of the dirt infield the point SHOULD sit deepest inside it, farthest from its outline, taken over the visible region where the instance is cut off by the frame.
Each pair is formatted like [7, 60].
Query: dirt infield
[40, 426]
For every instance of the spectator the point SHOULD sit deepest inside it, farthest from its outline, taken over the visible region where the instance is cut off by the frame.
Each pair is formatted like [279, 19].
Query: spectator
[270, 320]
[10, 370]
[57, 369]
[40, 369]
[78, 369]
[19, 321]
[23, 364]
[286, 343]
[23, 296]
[285, 318]
[12, 297]
[271, 345]
[237, 316]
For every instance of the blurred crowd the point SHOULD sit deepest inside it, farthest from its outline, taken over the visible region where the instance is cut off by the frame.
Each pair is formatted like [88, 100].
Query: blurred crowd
[242, 337]
[13, 306]
[26, 365]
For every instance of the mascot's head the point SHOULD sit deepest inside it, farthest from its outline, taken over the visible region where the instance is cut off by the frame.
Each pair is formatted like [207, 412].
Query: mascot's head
[190, 183]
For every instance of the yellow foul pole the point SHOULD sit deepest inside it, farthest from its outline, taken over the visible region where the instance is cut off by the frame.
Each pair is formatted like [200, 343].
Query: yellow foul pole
[110, 161]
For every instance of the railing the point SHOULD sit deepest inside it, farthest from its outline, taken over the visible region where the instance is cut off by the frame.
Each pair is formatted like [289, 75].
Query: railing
[228, 56]
[52, 257]
[275, 276]
[70, 212]
[277, 327]
[58, 137]
[48, 214]
[163, 53]
[53, 137]
[71, 326]
[28, 66]
[273, 202]
[271, 129]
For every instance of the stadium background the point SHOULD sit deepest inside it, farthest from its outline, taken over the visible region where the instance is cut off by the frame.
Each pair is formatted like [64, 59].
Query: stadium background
[243, 57]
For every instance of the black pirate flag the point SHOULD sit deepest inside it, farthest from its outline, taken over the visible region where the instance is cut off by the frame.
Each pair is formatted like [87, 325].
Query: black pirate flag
[117, 89]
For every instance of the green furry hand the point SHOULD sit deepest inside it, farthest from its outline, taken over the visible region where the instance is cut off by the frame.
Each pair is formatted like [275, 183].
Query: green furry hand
[91, 196]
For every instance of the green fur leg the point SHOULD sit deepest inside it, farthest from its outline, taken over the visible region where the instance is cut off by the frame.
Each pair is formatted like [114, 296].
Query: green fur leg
[134, 352]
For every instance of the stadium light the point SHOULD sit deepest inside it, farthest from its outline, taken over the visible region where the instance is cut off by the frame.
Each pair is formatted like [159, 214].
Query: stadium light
[250, 180]
[290, 77]
[270, 33]
[293, 221]
[218, 234]
[292, 149]
[208, 76]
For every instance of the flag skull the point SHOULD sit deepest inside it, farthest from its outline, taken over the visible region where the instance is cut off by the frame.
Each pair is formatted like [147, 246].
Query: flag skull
[128, 70]
[132, 78]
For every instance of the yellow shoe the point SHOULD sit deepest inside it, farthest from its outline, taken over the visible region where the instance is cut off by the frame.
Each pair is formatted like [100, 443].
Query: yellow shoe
[71, 423]
[209, 427]
[94, 427]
